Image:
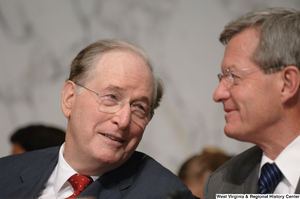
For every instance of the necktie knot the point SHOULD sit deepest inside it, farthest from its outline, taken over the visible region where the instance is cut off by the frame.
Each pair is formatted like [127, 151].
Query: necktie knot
[269, 178]
[79, 183]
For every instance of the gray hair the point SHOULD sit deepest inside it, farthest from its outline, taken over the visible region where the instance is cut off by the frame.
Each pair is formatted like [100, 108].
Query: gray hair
[84, 62]
[279, 32]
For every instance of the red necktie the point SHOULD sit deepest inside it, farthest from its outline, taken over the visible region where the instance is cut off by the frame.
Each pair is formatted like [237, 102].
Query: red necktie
[79, 183]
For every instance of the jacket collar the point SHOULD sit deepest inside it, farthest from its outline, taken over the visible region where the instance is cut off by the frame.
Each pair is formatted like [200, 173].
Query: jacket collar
[114, 183]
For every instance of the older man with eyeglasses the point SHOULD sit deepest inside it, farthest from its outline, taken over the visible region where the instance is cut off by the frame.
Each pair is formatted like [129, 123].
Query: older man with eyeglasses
[109, 99]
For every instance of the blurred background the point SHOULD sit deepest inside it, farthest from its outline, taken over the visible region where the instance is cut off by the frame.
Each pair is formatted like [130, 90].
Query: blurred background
[39, 39]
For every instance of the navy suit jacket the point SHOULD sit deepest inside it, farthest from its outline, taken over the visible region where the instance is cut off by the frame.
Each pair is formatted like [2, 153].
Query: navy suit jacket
[24, 176]
[238, 175]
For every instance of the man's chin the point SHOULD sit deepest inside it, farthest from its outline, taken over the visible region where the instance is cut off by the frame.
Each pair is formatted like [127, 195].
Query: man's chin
[231, 132]
[230, 135]
[237, 135]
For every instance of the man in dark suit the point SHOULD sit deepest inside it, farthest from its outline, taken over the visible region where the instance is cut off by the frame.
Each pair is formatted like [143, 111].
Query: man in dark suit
[109, 99]
[259, 89]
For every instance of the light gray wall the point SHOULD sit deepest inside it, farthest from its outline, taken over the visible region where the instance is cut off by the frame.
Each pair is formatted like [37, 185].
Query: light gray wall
[40, 38]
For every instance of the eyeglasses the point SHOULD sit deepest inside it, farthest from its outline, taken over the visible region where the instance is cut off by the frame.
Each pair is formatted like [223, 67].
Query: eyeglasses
[230, 78]
[108, 103]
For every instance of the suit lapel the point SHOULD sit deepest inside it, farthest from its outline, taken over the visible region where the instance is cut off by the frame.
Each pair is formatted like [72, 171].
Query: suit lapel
[33, 178]
[297, 191]
[251, 182]
[113, 184]
[106, 188]
[243, 171]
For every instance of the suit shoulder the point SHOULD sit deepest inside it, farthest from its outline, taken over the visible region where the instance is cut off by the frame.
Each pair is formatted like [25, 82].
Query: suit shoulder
[244, 160]
[26, 171]
[147, 164]
[233, 173]
[28, 158]
[153, 178]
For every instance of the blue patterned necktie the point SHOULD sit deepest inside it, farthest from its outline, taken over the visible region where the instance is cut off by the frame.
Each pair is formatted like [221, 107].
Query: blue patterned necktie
[269, 178]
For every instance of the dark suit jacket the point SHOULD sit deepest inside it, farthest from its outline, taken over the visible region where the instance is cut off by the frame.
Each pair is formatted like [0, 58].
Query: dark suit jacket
[24, 176]
[238, 175]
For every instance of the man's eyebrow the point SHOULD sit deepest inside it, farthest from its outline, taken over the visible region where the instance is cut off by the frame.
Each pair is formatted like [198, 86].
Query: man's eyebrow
[145, 99]
[114, 87]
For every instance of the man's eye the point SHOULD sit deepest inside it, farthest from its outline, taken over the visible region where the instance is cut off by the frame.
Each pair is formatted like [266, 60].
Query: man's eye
[109, 100]
[140, 106]
[111, 96]
[143, 108]
[139, 110]
[236, 78]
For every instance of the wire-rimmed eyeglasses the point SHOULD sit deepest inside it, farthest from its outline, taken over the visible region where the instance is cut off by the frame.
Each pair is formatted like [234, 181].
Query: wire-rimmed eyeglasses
[108, 103]
[230, 78]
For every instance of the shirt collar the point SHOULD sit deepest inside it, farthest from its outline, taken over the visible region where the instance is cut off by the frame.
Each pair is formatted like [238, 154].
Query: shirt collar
[288, 162]
[64, 172]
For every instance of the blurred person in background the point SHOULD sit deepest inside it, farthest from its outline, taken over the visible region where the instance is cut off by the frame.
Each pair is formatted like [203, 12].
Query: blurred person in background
[36, 136]
[195, 170]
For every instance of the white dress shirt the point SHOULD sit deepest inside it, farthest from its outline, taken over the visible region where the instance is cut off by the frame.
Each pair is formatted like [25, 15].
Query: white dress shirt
[58, 186]
[288, 162]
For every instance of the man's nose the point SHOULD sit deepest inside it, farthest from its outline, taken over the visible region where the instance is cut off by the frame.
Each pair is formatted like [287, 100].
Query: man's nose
[123, 117]
[221, 93]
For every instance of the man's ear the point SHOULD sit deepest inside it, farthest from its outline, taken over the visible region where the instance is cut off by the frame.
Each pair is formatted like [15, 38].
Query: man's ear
[68, 97]
[291, 80]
